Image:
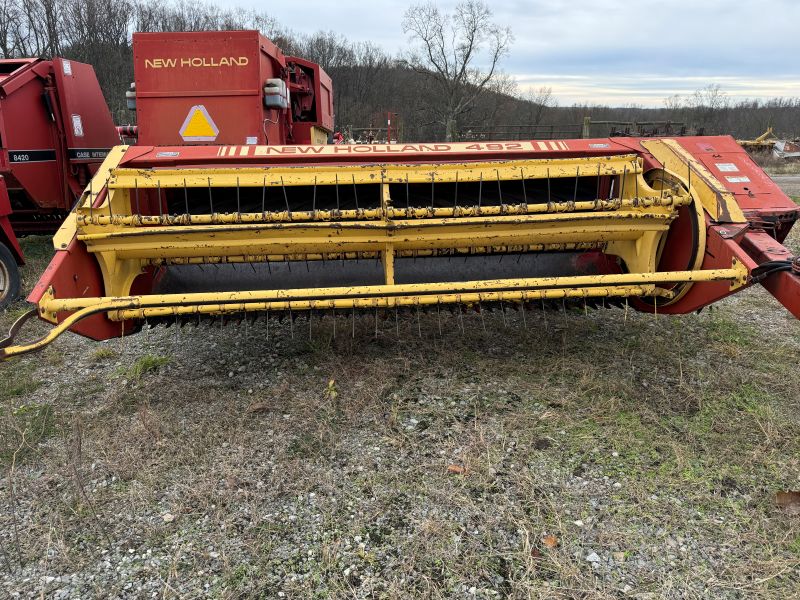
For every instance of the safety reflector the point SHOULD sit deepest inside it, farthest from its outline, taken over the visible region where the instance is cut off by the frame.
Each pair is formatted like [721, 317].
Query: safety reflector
[199, 126]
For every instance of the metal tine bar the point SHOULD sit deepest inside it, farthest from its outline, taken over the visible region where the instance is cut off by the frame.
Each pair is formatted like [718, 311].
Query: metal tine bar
[622, 183]
[384, 207]
[455, 195]
[636, 182]
[108, 200]
[91, 201]
[314, 197]
[433, 176]
[136, 188]
[577, 178]
[597, 195]
[524, 190]
[336, 178]
[499, 190]
[291, 322]
[544, 315]
[160, 210]
[286, 198]
[524, 320]
[408, 198]
[439, 318]
[210, 198]
[238, 201]
[186, 198]
[480, 189]
[264, 198]
[419, 324]
[548, 186]
[663, 175]
[480, 311]
[355, 190]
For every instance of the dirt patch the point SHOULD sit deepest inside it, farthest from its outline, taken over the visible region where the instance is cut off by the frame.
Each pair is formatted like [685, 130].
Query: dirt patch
[789, 183]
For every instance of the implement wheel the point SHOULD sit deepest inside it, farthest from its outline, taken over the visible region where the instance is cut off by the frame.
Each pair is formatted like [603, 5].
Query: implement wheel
[9, 277]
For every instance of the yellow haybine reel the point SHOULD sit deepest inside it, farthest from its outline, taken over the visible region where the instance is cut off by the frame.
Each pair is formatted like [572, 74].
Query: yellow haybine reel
[171, 232]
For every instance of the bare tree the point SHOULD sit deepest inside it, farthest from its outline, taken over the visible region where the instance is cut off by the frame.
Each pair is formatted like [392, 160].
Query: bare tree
[448, 48]
[539, 102]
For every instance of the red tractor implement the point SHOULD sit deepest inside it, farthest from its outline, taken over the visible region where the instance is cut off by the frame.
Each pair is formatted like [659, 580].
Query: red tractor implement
[231, 172]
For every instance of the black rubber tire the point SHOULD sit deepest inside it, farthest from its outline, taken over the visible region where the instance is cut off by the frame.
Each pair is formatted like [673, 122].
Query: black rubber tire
[9, 277]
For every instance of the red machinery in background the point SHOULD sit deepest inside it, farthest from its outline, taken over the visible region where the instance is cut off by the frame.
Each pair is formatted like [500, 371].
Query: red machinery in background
[226, 87]
[55, 131]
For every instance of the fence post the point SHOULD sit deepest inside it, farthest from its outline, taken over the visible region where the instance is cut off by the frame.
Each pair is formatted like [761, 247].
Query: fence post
[587, 128]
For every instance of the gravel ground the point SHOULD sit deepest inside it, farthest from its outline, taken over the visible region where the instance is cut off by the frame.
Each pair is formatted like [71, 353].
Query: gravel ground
[789, 183]
[578, 455]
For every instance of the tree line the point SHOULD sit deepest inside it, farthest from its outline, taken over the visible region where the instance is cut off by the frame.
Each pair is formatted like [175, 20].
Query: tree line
[429, 98]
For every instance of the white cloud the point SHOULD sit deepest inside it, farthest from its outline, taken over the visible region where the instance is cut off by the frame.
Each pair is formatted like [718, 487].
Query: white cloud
[624, 50]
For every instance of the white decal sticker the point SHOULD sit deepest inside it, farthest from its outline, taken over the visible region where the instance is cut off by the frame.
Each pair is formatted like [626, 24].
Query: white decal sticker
[66, 67]
[599, 145]
[738, 179]
[727, 167]
[167, 154]
[77, 126]
[251, 140]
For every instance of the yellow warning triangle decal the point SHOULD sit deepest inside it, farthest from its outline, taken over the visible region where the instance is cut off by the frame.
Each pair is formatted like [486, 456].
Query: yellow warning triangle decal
[198, 126]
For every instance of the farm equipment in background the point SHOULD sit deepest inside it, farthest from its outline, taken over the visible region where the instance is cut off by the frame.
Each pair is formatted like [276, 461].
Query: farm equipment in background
[55, 131]
[763, 143]
[229, 209]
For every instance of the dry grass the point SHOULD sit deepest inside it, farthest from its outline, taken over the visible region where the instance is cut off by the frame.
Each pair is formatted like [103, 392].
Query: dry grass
[233, 465]
[776, 166]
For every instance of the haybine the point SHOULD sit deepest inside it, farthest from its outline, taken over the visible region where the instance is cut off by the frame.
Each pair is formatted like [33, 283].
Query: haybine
[231, 206]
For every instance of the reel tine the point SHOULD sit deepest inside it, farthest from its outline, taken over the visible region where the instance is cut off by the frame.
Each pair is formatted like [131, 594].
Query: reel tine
[355, 190]
[286, 199]
[544, 315]
[314, 198]
[136, 188]
[336, 180]
[455, 194]
[108, 199]
[433, 180]
[186, 199]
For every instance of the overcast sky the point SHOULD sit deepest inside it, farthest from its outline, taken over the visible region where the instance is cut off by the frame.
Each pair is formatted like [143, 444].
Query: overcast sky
[611, 51]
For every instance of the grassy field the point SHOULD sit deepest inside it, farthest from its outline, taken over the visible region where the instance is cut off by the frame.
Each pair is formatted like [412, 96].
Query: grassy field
[578, 455]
